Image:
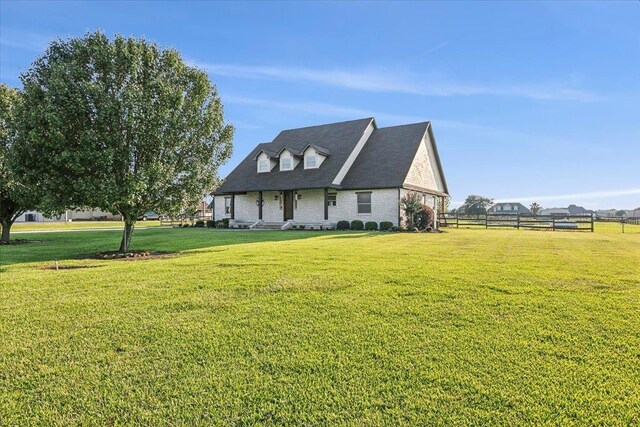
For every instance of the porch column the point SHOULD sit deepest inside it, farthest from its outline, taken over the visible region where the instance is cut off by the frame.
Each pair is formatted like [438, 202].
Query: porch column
[260, 202]
[326, 204]
[233, 206]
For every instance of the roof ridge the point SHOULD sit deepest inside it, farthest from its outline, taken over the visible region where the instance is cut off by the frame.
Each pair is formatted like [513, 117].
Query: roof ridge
[329, 124]
[426, 122]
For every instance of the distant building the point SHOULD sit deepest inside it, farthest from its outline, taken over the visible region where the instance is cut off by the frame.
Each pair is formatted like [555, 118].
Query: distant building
[579, 210]
[510, 208]
[606, 212]
[555, 211]
[70, 215]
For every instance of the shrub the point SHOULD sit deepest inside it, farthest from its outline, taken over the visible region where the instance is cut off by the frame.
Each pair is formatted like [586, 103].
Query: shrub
[342, 225]
[396, 228]
[424, 218]
[411, 203]
[199, 223]
[356, 224]
[222, 223]
[302, 227]
[211, 223]
[386, 225]
[371, 226]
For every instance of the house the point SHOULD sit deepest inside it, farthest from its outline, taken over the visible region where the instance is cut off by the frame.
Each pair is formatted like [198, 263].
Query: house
[319, 175]
[554, 211]
[579, 210]
[70, 215]
[509, 208]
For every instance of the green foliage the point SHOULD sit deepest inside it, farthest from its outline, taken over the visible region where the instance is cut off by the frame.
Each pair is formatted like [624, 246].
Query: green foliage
[342, 225]
[410, 204]
[199, 223]
[458, 328]
[211, 223]
[222, 223]
[371, 226]
[475, 205]
[122, 126]
[15, 197]
[535, 208]
[424, 218]
[356, 224]
[386, 225]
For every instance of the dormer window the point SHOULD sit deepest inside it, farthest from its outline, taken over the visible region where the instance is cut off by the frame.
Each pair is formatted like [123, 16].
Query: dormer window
[314, 155]
[310, 162]
[285, 164]
[263, 166]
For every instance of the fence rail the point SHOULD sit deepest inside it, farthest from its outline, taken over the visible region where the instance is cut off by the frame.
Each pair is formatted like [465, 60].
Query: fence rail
[588, 223]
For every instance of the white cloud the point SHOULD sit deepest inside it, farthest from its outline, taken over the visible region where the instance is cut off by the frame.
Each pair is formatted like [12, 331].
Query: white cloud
[321, 109]
[580, 196]
[384, 80]
[24, 40]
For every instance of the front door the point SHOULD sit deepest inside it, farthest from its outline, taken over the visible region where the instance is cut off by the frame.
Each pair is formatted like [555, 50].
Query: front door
[288, 205]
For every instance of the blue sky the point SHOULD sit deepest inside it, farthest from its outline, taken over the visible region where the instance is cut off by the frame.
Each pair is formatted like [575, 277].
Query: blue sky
[529, 101]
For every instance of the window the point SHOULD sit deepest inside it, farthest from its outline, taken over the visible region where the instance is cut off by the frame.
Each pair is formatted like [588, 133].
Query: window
[285, 164]
[263, 166]
[227, 205]
[310, 162]
[331, 199]
[364, 203]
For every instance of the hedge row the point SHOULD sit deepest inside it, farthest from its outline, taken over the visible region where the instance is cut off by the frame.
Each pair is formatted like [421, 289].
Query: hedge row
[359, 225]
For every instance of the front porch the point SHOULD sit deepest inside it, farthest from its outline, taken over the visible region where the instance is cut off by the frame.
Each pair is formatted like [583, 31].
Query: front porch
[301, 207]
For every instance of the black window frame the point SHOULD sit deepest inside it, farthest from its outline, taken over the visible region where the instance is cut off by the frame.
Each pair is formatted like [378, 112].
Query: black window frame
[227, 207]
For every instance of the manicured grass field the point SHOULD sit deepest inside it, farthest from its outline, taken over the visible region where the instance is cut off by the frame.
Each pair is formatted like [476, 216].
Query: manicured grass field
[46, 226]
[467, 327]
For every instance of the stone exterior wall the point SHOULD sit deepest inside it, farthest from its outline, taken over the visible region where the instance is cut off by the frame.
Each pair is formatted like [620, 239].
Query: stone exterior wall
[423, 169]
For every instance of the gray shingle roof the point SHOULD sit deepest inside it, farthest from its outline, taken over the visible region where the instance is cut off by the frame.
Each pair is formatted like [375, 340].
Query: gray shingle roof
[386, 157]
[384, 161]
[337, 138]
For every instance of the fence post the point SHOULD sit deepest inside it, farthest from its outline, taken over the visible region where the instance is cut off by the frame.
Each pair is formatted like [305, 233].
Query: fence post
[518, 221]
[553, 218]
[622, 221]
[486, 222]
[592, 223]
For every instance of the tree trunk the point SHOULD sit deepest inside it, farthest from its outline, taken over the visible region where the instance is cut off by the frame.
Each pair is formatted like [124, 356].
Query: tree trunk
[6, 230]
[129, 225]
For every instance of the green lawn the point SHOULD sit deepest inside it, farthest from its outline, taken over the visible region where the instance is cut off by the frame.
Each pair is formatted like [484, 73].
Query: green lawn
[46, 226]
[467, 327]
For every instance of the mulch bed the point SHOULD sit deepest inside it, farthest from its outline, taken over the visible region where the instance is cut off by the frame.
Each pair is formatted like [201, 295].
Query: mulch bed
[130, 256]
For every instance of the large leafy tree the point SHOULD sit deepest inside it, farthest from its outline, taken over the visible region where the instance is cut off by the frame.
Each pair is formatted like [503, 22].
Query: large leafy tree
[475, 205]
[15, 196]
[120, 125]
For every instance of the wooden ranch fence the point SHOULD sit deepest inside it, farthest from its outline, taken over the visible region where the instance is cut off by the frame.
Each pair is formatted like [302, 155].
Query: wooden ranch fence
[588, 223]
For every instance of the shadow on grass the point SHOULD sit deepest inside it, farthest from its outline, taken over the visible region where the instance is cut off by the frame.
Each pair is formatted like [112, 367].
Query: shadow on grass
[83, 244]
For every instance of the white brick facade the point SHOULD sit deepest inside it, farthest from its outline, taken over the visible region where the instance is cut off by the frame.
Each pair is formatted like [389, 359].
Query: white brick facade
[309, 208]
